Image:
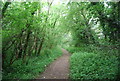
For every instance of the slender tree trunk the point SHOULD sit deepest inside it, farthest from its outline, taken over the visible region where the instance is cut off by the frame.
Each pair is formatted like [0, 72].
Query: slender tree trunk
[36, 46]
[26, 45]
[5, 8]
[20, 46]
[40, 47]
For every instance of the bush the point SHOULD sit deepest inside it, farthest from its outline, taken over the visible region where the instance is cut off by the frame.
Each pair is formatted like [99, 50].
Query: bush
[87, 48]
[93, 66]
[74, 49]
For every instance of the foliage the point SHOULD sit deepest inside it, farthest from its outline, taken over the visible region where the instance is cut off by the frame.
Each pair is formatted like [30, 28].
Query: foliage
[93, 66]
[108, 16]
[29, 33]
[31, 30]
[33, 69]
[73, 49]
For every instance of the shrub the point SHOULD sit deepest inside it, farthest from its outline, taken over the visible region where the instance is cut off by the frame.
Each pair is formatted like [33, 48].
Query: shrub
[93, 66]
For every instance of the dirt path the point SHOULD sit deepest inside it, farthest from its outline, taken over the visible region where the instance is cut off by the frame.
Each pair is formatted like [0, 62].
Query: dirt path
[59, 69]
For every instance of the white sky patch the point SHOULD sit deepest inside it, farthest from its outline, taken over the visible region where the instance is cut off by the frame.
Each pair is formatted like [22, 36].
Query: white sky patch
[45, 8]
[64, 15]
[90, 20]
[56, 2]
[105, 4]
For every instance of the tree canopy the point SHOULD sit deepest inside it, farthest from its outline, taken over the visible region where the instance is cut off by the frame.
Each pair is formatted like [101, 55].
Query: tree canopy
[33, 29]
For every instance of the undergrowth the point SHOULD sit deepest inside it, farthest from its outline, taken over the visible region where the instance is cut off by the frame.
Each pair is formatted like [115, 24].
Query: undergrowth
[92, 63]
[34, 68]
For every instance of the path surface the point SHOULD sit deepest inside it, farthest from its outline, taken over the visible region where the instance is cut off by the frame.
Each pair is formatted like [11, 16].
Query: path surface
[59, 69]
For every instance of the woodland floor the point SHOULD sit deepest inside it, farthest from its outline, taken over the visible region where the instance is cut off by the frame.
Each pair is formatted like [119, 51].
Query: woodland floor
[59, 69]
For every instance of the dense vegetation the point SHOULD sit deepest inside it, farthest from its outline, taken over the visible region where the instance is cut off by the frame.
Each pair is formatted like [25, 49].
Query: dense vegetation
[95, 31]
[95, 64]
[33, 69]
[30, 36]
[33, 33]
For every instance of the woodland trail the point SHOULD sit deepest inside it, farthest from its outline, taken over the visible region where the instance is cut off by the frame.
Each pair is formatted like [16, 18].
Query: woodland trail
[59, 69]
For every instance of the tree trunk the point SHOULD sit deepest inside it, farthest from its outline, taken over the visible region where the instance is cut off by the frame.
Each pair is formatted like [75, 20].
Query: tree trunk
[26, 45]
[40, 47]
[5, 8]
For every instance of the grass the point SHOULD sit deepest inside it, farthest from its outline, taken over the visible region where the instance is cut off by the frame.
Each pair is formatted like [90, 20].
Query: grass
[92, 65]
[34, 68]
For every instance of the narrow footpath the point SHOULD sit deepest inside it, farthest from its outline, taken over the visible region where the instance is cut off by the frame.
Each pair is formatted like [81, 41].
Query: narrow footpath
[59, 69]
